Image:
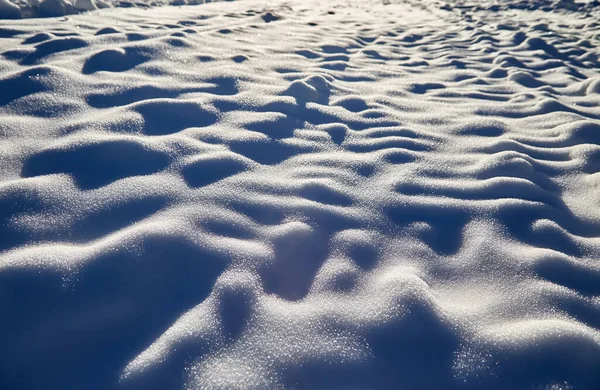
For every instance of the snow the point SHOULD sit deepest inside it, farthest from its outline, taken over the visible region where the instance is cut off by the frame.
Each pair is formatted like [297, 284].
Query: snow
[9, 10]
[16, 9]
[300, 194]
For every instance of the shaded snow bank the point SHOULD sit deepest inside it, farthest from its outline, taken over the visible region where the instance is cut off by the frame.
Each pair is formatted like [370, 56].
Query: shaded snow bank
[17, 9]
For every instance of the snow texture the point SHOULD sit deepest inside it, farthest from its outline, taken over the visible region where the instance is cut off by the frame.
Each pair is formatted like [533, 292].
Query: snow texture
[300, 195]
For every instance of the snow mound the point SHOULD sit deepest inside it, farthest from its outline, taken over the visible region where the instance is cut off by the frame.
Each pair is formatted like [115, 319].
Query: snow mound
[9, 10]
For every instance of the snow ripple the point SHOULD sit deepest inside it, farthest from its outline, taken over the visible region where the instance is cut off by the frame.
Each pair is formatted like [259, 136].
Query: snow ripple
[344, 195]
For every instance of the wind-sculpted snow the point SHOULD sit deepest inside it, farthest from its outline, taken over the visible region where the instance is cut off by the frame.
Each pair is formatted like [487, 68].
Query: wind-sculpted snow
[317, 195]
[17, 9]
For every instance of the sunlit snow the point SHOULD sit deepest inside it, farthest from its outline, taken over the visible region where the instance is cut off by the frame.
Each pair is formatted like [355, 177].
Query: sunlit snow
[301, 194]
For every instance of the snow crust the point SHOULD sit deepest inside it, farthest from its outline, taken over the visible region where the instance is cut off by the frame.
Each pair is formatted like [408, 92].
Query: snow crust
[312, 195]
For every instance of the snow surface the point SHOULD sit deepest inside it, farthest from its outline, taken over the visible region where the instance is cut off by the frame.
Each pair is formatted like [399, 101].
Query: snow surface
[17, 9]
[301, 195]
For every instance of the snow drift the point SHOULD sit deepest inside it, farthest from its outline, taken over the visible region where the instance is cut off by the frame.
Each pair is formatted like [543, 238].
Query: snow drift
[314, 195]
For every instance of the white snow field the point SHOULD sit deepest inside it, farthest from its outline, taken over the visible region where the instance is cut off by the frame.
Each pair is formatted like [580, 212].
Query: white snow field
[301, 195]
